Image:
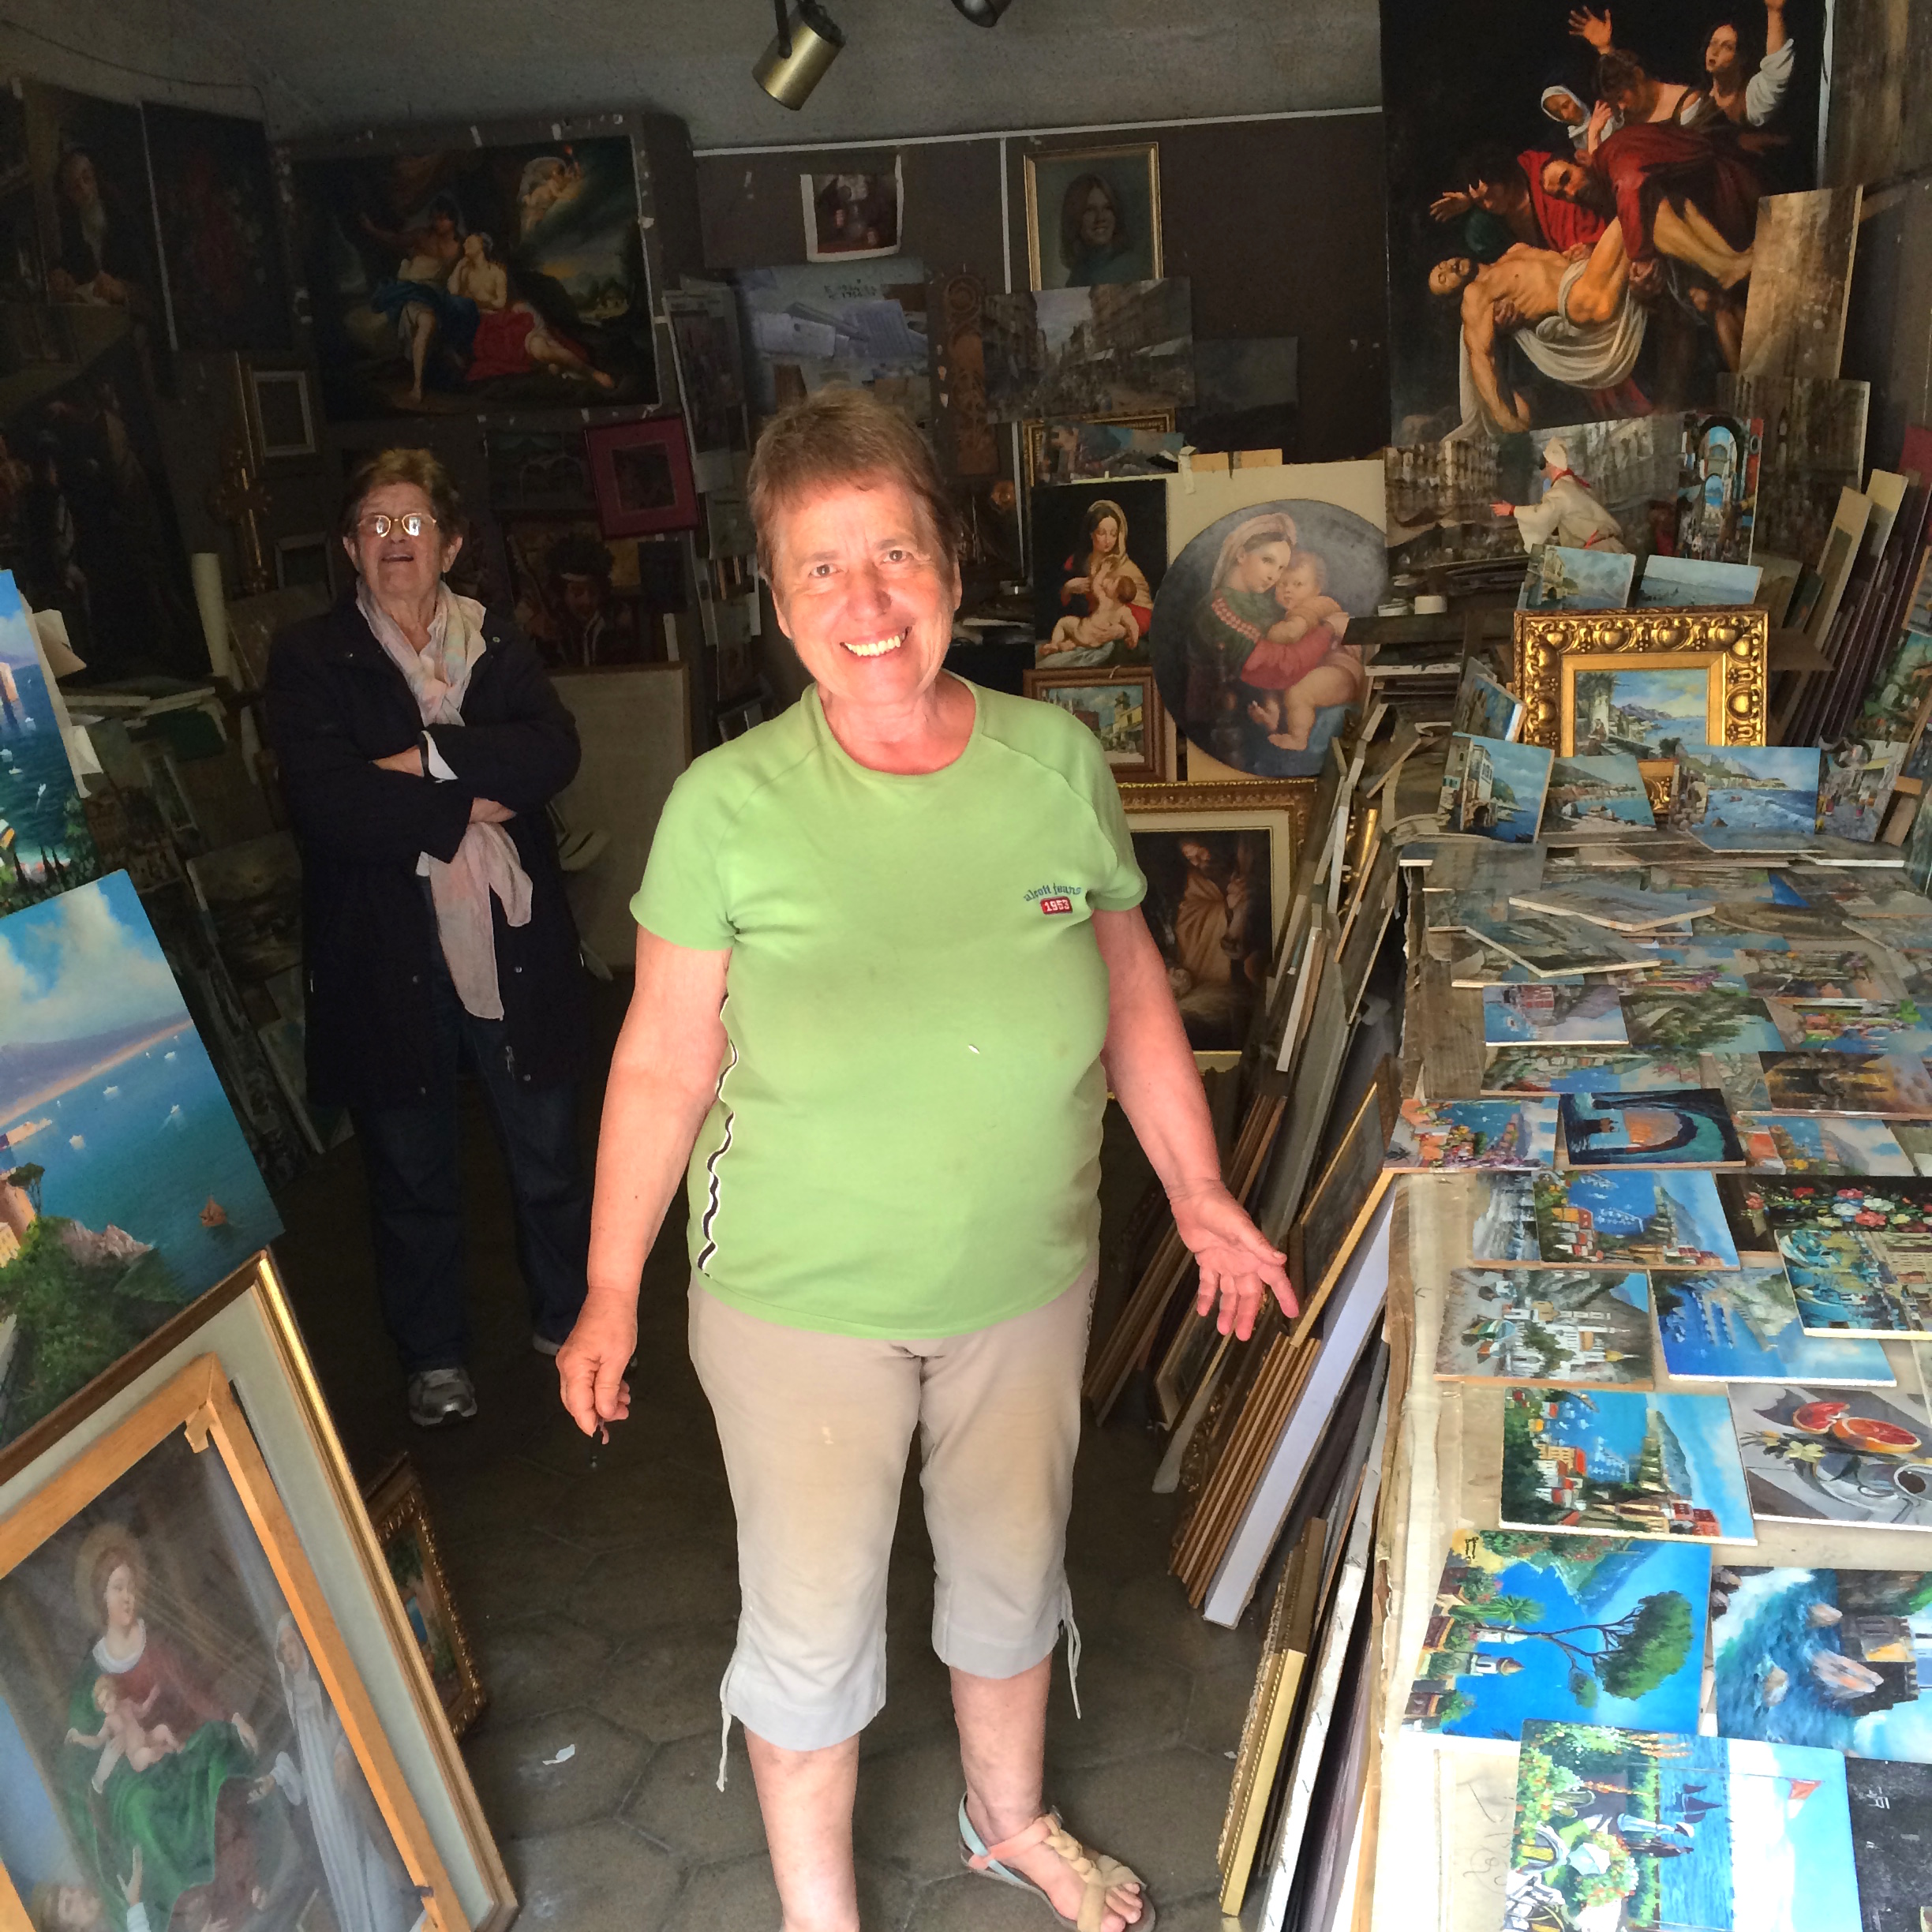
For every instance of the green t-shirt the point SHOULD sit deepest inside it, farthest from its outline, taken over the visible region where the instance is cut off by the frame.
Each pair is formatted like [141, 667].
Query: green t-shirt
[906, 1138]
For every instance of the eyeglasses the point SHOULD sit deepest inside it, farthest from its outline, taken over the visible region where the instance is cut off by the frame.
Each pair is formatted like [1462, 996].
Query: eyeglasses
[380, 525]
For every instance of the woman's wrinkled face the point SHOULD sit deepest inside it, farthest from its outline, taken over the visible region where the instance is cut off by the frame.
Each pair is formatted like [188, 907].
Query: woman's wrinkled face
[119, 1601]
[399, 567]
[863, 591]
[1097, 222]
[1106, 536]
[1260, 568]
[1566, 108]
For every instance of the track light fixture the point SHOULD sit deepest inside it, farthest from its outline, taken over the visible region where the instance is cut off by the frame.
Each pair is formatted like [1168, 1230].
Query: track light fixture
[984, 12]
[806, 43]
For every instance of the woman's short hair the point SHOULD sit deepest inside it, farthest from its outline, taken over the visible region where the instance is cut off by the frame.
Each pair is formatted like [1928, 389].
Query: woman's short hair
[844, 436]
[418, 466]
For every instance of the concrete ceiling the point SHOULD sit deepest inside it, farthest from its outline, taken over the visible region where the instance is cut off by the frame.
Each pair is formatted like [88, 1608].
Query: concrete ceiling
[910, 66]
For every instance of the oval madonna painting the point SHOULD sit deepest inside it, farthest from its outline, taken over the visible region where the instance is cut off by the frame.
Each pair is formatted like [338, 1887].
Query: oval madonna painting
[1250, 631]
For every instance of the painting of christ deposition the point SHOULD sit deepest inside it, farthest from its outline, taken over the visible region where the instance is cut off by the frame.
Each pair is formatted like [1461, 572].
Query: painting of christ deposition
[1573, 200]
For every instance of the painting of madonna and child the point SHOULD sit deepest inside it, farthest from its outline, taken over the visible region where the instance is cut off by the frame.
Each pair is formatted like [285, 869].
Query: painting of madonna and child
[170, 1759]
[1250, 633]
[1573, 193]
[472, 278]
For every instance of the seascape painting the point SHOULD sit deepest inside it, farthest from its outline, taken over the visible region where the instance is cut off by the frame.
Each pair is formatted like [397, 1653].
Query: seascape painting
[1742, 1325]
[126, 1188]
[1596, 798]
[1647, 713]
[1873, 1026]
[1588, 1326]
[1495, 787]
[1823, 1144]
[1529, 1627]
[1679, 582]
[1436, 1136]
[1560, 579]
[1484, 708]
[1727, 798]
[45, 845]
[1817, 1453]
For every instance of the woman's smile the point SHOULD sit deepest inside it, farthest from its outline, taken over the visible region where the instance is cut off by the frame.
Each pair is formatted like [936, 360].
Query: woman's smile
[877, 647]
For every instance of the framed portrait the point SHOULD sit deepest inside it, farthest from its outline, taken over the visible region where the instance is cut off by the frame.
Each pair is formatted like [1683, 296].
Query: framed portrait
[400, 1515]
[1121, 707]
[265, 1522]
[575, 592]
[1094, 216]
[1093, 447]
[642, 474]
[88, 158]
[1099, 554]
[1641, 681]
[185, 1727]
[1219, 873]
[852, 217]
[281, 418]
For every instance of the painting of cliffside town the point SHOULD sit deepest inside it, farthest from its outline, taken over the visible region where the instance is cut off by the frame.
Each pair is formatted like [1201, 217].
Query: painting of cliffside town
[127, 1190]
[1575, 1325]
[1528, 1627]
[1632, 1464]
[1608, 1217]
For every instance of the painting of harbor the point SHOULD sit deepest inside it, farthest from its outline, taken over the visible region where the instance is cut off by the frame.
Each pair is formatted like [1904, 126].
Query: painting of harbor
[1631, 1217]
[1742, 1325]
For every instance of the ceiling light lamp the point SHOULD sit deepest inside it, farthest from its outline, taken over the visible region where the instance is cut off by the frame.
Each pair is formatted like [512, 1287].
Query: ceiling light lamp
[984, 12]
[806, 43]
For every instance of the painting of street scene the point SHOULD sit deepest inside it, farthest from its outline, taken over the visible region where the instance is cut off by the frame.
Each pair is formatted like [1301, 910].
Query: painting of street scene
[1815, 1454]
[1528, 1627]
[1742, 1325]
[1841, 1659]
[1643, 1831]
[1122, 349]
[1632, 1217]
[1645, 713]
[1576, 1325]
[126, 1188]
[1632, 1464]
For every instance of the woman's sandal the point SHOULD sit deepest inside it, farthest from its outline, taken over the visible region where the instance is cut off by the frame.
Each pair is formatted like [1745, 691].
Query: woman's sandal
[1101, 1873]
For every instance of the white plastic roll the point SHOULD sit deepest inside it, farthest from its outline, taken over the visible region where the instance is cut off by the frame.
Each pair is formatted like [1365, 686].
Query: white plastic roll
[212, 601]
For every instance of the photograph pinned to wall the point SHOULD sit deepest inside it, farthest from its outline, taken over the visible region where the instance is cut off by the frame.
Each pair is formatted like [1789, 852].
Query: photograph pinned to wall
[1816, 1454]
[1596, 798]
[1801, 284]
[88, 160]
[216, 212]
[46, 846]
[1541, 1626]
[1631, 1217]
[1086, 452]
[1623, 1462]
[853, 217]
[1662, 1830]
[1560, 579]
[1495, 787]
[1551, 1015]
[1826, 1657]
[643, 476]
[126, 1188]
[1099, 555]
[544, 470]
[1484, 708]
[859, 325]
[1121, 708]
[1093, 216]
[1588, 1326]
[1680, 583]
[1717, 492]
[1438, 1135]
[1250, 630]
[477, 278]
[1247, 394]
[1742, 1325]
[1689, 1128]
[576, 592]
[1216, 886]
[1824, 1144]
[1857, 784]
[1114, 350]
[702, 317]
[1508, 143]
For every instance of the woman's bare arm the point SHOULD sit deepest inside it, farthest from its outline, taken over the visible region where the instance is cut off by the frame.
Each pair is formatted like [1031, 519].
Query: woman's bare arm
[663, 1078]
[1152, 1071]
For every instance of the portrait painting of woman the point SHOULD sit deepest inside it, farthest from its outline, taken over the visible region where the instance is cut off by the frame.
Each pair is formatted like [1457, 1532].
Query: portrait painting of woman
[1209, 906]
[1250, 640]
[1093, 216]
[1099, 557]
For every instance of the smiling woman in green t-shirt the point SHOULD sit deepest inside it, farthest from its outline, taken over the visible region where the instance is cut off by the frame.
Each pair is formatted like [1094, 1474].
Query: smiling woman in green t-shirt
[890, 957]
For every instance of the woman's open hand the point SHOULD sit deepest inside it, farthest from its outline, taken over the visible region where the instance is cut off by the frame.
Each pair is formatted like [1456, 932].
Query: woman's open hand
[1236, 1262]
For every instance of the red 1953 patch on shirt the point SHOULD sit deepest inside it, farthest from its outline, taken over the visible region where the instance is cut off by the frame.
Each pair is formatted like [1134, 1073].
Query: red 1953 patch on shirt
[1060, 904]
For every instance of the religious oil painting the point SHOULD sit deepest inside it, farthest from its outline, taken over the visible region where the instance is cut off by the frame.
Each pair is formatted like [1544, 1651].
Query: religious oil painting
[1110, 349]
[1099, 555]
[1743, 1325]
[1094, 216]
[470, 279]
[1822, 1454]
[1622, 1461]
[90, 174]
[1440, 1135]
[1250, 633]
[1530, 1626]
[126, 1188]
[1689, 1128]
[1650, 712]
[1209, 906]
[172, 1740]
[1650, 1831]
[1598, 798]
[1585, 1326]
[1121, 708]
[577, 593]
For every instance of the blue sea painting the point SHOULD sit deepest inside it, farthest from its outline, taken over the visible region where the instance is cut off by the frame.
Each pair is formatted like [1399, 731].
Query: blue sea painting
[1648, 714]
[1597, 797]
[1633, 1217]
[1548, 1626]
[1749, 791]
[1832, 1658]
[129, 1189]
[1742, 1325]
[1683, 582]
[1561, 579]
[1495, 787]
[45, 846]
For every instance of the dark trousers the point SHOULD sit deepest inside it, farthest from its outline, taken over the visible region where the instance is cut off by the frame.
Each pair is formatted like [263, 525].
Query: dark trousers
[415, 1185]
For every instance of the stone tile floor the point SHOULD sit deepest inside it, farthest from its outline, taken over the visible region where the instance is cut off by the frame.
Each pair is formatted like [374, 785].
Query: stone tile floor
[600, 1592]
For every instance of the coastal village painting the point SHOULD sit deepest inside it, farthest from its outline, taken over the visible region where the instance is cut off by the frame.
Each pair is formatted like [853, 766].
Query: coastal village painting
[1574, 1325]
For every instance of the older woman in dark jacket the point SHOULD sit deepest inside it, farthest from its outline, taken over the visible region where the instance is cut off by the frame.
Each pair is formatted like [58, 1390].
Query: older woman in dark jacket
[420, 742]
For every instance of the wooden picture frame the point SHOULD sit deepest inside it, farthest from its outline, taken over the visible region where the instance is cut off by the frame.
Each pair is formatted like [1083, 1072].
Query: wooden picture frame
[197, 1402]
[1346, 1191]
[400, 1515]
[1135, 198]
[1033, 438]
[247, 1325]
[641, 472]
[1730, 647]
[1150, 762]
[281, 411]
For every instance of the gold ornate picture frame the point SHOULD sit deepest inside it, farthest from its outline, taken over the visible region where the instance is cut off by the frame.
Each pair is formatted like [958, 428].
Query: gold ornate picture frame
[1133, 751]
[1066, 189]
[1727, 650]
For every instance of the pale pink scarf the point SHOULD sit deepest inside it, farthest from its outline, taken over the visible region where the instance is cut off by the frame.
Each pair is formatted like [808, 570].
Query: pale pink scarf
[486, 861]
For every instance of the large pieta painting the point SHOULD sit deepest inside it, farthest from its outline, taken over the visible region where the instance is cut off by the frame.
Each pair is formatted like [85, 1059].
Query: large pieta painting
[1573, 193]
